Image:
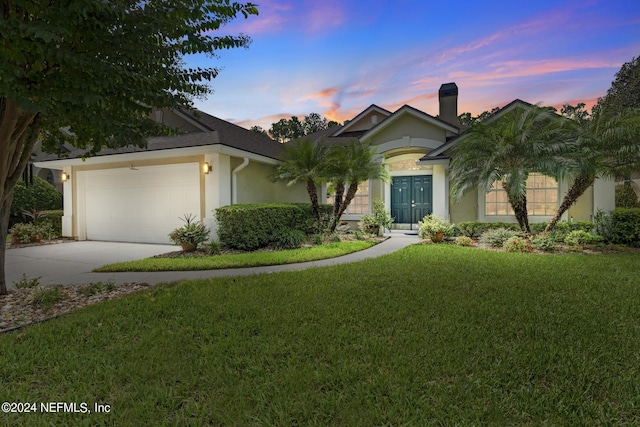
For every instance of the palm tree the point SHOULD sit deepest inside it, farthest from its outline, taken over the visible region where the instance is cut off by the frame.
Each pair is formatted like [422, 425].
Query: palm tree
[304, 161]
[503, 150]
[351, 164]
[604, 145]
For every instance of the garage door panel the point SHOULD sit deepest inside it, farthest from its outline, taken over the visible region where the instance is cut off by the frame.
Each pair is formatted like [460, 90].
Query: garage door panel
[141, 205]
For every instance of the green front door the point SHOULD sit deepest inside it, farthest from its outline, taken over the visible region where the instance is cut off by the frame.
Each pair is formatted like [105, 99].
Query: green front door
[411, 198]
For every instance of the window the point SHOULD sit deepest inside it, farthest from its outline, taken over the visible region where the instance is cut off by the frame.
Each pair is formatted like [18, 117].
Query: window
[542, 197]
[360, 203]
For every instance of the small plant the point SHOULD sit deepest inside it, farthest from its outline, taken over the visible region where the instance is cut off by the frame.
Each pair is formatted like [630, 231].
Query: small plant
[604, 225]
[25, 282]
[334, 238]
[26, 233]
[47, 297]
[471, 229]
[214, 247]
[517, 244]
[97, 288]
[497, 237]
[316, 239]
[34, 214]
[463, 241]
[544, 242]
[191, 234]
[287, 239]
[359, 235]
[379, 219]
[432, 225]
[581, 237]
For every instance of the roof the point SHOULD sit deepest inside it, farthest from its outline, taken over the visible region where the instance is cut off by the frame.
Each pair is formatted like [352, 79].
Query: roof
[214, 131]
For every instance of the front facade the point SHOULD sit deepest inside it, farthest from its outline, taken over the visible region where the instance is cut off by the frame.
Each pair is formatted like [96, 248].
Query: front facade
[139, 195]
[414, 147]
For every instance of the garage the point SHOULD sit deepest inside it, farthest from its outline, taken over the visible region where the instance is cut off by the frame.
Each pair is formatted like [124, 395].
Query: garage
[136, 204]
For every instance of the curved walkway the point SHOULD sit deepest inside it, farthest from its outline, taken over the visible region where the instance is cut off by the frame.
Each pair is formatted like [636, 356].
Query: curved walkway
[71, 263]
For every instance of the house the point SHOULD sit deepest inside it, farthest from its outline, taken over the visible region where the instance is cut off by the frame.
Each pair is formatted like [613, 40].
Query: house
[415, 147]
[134, 194]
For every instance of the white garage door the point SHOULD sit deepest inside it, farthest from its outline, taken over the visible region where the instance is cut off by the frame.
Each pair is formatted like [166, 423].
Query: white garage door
[141, 205]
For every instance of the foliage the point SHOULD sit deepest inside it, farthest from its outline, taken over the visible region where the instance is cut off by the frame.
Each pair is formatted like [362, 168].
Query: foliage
[581, 237]
[466, 119]
[97, 288]
[472, 229]
[517, 244]
[625, 225]
[285, 130]
[380, 218]
[243, 260]
[626, 196]
[89, 73]
[214, 247]
[48, 296]
[286, 238]
[625, 89]
[544, 242]
[252, 226]
[26, 233]
[39, 196]
[503, 151]
[497, 236]
[491, 338]
[52, 222]
[433, 224]
[25, 282]
[463, 241]
[191, 233]
[604, 225]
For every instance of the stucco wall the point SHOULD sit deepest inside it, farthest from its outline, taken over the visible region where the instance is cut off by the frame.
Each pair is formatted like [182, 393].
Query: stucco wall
[466, 209]
[254, 186]
[582, 209]
[408, 126]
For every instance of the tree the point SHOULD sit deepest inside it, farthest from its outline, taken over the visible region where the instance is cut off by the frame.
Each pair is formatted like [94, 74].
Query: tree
[467, 120]
[603, 145]
[90, 72]
[258, 129]
[347, 167]
[625, 89]
[504, 150]
[286, 130]
[304, 161]
[313, 122]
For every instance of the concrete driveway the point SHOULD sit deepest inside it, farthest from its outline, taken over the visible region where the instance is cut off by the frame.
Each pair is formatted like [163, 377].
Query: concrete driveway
[72, 262]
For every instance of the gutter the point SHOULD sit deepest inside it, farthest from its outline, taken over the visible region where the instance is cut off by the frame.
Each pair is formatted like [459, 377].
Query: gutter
[234, 181]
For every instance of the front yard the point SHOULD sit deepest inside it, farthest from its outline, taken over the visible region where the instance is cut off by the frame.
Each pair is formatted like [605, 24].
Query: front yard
[432, 334]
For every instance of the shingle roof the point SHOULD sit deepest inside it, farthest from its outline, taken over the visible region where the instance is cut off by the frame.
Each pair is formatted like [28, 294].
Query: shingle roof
[221, 132]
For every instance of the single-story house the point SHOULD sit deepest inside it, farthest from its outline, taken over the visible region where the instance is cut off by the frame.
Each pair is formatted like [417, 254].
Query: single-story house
[135, 194]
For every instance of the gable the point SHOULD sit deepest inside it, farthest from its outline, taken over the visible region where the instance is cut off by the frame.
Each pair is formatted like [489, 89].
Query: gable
[409, 126]
[364, 121]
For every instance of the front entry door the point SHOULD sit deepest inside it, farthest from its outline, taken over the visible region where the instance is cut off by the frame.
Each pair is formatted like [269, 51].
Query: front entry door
[411, 198]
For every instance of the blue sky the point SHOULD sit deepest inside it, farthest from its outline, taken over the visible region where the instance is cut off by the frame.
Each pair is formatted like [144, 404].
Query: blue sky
[338, 57]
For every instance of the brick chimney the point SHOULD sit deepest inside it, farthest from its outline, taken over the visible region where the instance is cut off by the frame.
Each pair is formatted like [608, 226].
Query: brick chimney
[448, 97]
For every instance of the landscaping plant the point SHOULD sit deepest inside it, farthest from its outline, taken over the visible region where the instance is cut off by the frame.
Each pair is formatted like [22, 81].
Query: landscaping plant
[191, 233]
[431, 225]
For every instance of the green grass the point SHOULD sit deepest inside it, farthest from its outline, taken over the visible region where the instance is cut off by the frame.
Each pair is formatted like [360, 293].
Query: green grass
[250, 259]
[430, 335]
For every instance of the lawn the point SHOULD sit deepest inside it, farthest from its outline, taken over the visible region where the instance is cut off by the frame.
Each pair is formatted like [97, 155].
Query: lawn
[429, 335]
[249, 259]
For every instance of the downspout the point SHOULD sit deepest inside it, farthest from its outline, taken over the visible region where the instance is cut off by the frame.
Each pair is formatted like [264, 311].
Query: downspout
[234, 181]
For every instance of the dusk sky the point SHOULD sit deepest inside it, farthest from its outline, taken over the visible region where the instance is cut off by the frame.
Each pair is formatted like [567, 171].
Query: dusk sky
[338, 57]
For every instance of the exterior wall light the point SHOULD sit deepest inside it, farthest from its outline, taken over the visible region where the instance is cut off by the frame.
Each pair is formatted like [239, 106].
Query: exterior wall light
[206, 168]
[65, 177]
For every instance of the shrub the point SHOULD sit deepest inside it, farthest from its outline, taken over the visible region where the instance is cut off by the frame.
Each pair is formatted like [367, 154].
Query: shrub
[544, 242]
[497, 237]
[517, 244]
[625, 226]
[288, 239]
[191, 233]
[214, 247]
[603, 225]
[26, 233]
[472, 229]
[47, 297]
[251, 226]
[52, 222]
[581, 237]
[433, 224]
[25, 282]
[626, 197]
[463, 241]
[40, 195]
[316, 239]
[359, 235]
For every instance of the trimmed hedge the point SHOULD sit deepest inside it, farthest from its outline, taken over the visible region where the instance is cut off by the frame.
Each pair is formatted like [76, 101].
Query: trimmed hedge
[625, 226]
[253, 225]
[40, 195]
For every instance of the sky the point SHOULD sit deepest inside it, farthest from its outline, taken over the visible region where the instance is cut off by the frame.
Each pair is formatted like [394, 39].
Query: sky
[337, 58]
